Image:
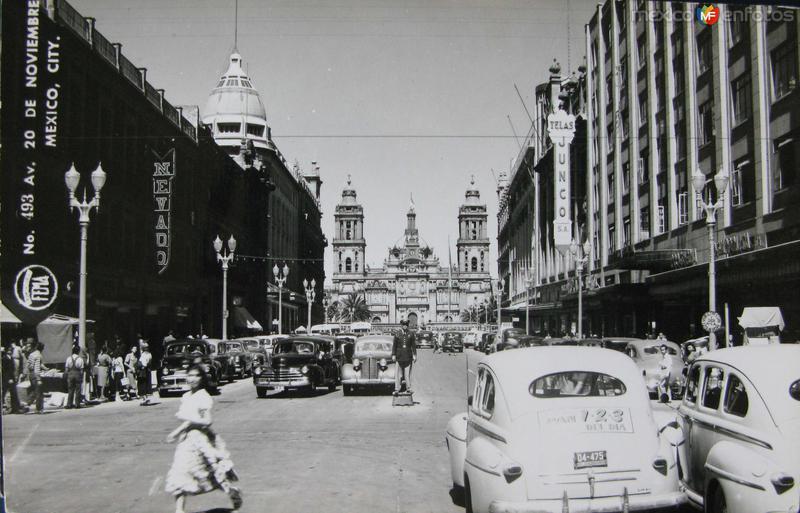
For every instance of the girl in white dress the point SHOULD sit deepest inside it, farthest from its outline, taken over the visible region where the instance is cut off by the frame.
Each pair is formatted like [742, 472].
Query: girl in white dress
[201, 463]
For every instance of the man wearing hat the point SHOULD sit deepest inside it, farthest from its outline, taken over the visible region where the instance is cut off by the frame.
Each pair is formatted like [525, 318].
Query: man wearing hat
[143, 373]
[404, 352]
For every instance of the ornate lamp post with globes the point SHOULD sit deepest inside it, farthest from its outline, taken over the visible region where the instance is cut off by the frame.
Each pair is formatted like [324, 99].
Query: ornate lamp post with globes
[72, 178]
[280, 279]
[311, 295]
[225, 257]
[711, 319]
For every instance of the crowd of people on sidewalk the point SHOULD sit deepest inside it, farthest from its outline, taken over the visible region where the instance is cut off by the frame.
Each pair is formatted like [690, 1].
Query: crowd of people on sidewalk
[112, 373]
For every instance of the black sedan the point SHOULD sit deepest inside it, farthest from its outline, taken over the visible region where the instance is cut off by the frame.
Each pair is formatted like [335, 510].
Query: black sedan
[179, 357]
[299, 363]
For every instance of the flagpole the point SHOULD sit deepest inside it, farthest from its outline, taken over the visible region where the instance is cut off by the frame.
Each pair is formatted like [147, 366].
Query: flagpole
[449, 278]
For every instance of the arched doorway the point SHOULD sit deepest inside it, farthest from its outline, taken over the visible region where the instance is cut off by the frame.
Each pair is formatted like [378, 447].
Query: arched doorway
[376, 320]
[448, 319]
[412, 320]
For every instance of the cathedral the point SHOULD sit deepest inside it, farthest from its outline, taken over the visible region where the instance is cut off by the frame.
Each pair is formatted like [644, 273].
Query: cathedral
[412, 284]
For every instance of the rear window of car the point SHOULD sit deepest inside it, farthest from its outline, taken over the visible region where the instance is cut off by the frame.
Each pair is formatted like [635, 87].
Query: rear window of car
[657, 350]
[294, 347]
[184, 348]
[576, 384]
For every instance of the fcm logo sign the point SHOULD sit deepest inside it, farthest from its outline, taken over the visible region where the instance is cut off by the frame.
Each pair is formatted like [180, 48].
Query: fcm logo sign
[35, 287]
[708, 14]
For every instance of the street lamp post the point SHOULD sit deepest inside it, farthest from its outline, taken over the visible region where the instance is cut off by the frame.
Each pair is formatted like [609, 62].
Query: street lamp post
[280, 279]
[581, 255]
[326, 301]
[225, 258]
[311, 295]
[721, 183]
[72, 178]
[528, 283]
[499, 300]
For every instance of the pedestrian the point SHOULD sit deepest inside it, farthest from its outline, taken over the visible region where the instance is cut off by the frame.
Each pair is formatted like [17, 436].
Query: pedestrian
[102, 372]
[35, 369]
[169, 338]
[73, 370]
[118, 373]
[10, 380]
[201, 463]
[404, 353]
[664, 371]
[131, 360]
[143, 374]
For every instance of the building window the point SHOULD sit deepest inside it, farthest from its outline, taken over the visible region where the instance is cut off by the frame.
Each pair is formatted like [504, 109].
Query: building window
[737, 26]
[784, 69]
[644, 223]
[483, 262]
[677, 71]
[785, 172]
[662, 220]
[348, 265]
[703, 53]
[611, 240]
[641, 52]
[228, 128]
[611, 192]
[683, 207]
[340, 262]
[642, 110]
[680, 133]
[736, 187]
[610, 137]
[626, 180]
[626, 231]
[641, 171]
[742, 98]
[348, 232]
[474, 264]
[705, 122]
[256, 130]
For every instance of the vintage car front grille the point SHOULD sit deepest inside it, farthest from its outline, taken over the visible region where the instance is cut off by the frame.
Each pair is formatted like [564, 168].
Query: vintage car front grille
[285, 373]
[369, 368]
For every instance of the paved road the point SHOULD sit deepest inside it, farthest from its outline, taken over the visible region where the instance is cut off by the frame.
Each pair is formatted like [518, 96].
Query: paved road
[324, 452]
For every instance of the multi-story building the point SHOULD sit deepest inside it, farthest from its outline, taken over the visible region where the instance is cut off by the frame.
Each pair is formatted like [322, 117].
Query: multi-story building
[411, 284]
[170, 190]
[668, 96]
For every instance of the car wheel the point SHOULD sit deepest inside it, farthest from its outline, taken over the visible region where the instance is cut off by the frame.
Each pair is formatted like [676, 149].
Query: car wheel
[261, 393]
[718, 505]
[467, 496]
[332, 386]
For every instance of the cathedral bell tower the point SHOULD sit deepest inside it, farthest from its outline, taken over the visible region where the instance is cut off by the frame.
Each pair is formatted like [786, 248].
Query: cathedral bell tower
[349, 244]
[473, 240]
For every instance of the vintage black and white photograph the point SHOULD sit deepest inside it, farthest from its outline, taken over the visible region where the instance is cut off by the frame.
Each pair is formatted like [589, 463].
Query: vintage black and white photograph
[416, 256]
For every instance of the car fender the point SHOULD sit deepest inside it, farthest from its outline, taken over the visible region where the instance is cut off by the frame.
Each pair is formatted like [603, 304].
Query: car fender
[744, 476]
[348, 372]
[456, 440]
[484, 464]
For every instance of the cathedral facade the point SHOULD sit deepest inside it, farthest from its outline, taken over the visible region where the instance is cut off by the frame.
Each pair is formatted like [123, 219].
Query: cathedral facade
[412, 284]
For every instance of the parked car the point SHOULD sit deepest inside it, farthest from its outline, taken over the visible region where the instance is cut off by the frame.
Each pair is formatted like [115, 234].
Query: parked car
[531, 341]
[471, 338]
[179, 356]
[424, 339]
[647, 355]
[253, 350]
[740, 419]
[618, 343]
[239, 360]
[510, 339]
[300, 362]
[591, 342]
[550, 429]
[486, 342]
[372, 365]
[266, 341]
[452, 341]
[561, 341]
[218, 352]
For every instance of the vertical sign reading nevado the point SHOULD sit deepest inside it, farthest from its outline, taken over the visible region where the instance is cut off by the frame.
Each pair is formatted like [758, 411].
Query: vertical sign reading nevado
[561, 129]
[31, 61]
[163, 173]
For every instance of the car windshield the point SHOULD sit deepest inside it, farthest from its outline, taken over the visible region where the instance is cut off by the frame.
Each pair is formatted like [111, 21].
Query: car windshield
[453, 336]
[251, 344]
[375, 346]
[234, 346]
[294, 347]
[184, 349]
[657, 350]
[576, 384]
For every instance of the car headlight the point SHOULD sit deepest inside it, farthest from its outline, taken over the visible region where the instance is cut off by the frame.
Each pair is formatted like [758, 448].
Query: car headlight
[356, 364]
[165, 371]
[382, 363]
[257, 371]
[304, 370]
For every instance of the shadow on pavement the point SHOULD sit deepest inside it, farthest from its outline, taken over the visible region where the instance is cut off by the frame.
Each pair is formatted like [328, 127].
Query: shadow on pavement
[215, 510]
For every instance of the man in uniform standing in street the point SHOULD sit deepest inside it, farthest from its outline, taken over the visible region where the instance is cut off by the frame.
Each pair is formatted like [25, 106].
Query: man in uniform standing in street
[404, 353]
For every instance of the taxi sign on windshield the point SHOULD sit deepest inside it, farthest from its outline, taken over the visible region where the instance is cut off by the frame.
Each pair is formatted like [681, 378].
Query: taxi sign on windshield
[593, 420]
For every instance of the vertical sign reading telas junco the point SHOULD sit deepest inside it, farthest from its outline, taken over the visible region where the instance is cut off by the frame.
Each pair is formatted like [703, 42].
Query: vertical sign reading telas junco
[163, 173]
[31, 63]
[561, 129]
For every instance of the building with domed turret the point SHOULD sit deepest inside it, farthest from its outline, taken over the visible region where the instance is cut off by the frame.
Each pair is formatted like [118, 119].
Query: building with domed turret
[412, 284]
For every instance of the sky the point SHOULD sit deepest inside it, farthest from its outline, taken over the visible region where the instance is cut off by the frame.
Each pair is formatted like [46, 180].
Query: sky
[406, 97]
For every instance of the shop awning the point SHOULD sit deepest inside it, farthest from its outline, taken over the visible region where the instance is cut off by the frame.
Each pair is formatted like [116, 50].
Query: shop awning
[242, 319]
[7, 316]
[761, 317]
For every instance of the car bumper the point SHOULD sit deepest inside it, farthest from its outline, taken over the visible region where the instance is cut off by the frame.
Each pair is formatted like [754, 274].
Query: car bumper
[599, 505]
[369, 382]
[173, 384]
[269, 382]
